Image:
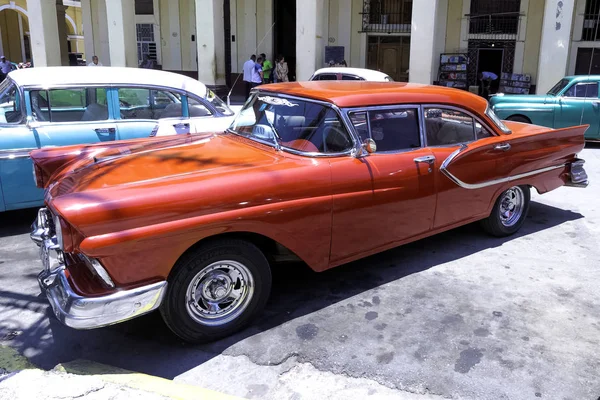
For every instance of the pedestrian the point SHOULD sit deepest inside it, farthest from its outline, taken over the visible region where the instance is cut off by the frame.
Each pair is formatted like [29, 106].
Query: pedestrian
[5, 68]
[281, 70]
[485, 79]
[248, 69]
[257, 73]
[148, 63]
[95, 62]
[267, 68]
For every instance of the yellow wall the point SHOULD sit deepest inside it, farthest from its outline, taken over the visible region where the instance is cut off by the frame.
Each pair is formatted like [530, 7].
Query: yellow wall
[356, 38]
[453, 25]
[533, 38]
[9, 27]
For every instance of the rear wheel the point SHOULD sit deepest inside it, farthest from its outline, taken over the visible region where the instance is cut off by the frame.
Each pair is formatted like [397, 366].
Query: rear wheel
[519, 118]
[509, 212]
[216, 290]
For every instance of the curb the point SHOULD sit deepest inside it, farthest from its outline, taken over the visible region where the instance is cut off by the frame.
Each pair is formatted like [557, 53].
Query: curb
[147, 383]
[12, 361]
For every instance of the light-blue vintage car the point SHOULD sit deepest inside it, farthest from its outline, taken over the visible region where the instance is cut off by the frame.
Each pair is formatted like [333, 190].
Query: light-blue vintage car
[59, 106]
[572, 101]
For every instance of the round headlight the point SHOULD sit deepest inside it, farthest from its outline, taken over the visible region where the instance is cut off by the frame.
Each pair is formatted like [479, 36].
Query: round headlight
[58, 230]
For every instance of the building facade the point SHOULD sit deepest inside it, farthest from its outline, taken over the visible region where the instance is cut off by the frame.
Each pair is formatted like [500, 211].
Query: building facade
[211, 39]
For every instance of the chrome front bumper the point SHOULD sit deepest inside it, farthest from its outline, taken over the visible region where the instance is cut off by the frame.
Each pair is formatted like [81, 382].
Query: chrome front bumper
[577, 175]
[81, 312]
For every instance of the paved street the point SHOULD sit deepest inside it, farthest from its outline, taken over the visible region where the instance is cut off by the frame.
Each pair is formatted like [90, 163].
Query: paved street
[460, 315]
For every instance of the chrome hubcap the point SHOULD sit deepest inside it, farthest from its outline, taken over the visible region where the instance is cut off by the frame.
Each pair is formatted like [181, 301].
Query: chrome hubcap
[511, 206]
[219, 293]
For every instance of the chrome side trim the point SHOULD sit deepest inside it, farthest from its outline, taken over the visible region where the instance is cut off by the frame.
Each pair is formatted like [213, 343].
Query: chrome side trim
[472, 186]
[16, 153]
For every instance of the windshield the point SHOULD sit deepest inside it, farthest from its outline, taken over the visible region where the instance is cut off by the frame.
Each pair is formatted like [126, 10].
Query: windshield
[217, 103]
[10, 104]
[292, 124]
[558, 87]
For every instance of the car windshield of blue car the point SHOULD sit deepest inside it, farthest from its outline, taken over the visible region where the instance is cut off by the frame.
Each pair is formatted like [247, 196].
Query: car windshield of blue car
[292, 124]
[558, 87]
[10, 103]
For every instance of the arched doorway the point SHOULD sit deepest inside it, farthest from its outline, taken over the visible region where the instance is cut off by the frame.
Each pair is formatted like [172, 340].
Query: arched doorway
[14, 33]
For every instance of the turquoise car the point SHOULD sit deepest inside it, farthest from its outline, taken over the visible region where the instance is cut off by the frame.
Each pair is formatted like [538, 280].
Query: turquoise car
[60, 106]
[572, 101]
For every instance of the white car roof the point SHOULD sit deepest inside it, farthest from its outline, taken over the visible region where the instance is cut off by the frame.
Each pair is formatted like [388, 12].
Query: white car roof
[49, 77]
[367, 74]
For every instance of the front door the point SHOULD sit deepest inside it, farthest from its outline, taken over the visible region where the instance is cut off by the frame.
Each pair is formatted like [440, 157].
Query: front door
[387, 197]
[389, 54]
[579, 104]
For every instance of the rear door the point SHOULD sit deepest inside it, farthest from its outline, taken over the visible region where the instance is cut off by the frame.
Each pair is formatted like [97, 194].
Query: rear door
[448, 129]
[578, 105]
[69, 116]
[148, 111]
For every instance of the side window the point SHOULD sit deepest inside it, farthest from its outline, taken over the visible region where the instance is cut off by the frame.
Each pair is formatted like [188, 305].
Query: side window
[351, 78]
[481, 131]
[69, 105]
[140, 103]
[10, 104]
[327, 77]
[197, 109]
[392, 130]
[583, 90]
[448, 127]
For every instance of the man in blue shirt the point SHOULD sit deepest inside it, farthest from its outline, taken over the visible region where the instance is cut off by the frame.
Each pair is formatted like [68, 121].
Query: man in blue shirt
[486, 79]
[5, 68]
[248, 69]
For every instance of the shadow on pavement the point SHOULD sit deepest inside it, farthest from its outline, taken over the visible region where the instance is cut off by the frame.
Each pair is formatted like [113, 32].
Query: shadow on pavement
[146, 345]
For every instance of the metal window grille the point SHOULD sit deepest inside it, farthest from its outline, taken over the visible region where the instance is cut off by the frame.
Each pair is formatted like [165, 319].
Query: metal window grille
[387, 16]
[494, 20]
[145, 41]
[591, 30]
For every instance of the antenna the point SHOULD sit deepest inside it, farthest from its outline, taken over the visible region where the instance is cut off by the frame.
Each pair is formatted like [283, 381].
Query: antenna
[255, 51]
[590, 67]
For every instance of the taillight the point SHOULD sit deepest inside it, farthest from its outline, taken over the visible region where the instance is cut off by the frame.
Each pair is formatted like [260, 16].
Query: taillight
[38, 176]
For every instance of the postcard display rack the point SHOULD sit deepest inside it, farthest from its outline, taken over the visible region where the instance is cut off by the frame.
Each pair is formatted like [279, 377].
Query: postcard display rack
[453, 70]
[514, 83]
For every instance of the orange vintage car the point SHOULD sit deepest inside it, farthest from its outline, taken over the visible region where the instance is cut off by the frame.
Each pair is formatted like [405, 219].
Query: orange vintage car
[194, 224]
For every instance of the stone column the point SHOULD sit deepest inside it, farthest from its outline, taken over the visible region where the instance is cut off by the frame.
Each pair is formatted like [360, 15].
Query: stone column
[308, 31]
[211, 42]
[62, 32]
[171, 35]
[43, 27]
[120, 16]
[88, 30]
[427, 39]
[554, 47]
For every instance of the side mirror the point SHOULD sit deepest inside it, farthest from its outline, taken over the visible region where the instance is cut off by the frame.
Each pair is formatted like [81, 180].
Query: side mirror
[369, 145]
[29, 122]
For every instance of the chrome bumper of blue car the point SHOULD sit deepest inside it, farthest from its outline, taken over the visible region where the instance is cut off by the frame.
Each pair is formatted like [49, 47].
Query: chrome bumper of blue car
[82, 312]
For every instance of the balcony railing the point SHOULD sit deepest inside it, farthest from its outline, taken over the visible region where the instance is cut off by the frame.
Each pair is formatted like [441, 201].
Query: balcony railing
[498, 26]
[386, 16]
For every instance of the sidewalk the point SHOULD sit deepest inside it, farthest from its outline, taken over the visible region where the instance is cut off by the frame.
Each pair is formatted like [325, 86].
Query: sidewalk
[81, 379]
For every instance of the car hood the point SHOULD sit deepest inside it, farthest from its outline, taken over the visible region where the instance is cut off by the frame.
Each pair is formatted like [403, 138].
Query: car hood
[142, 165]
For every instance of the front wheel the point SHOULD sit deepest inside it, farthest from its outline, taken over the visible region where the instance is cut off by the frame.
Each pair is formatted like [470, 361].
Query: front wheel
[216, 290]
[509, 212]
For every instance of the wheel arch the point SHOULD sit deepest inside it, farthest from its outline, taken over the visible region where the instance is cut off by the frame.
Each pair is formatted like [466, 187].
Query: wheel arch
[273, 250]
[518, 115]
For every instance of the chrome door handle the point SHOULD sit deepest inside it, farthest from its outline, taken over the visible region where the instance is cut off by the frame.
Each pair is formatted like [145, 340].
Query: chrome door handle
[502, 147]
[105, 131]
[425, 159]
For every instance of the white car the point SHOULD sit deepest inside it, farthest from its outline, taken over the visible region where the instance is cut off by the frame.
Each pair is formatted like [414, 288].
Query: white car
[349, 74]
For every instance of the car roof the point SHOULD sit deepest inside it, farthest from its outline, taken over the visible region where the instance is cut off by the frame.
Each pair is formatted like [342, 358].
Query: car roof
[48, 77]
[365, 93]
[583, 77]
[368, 74]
